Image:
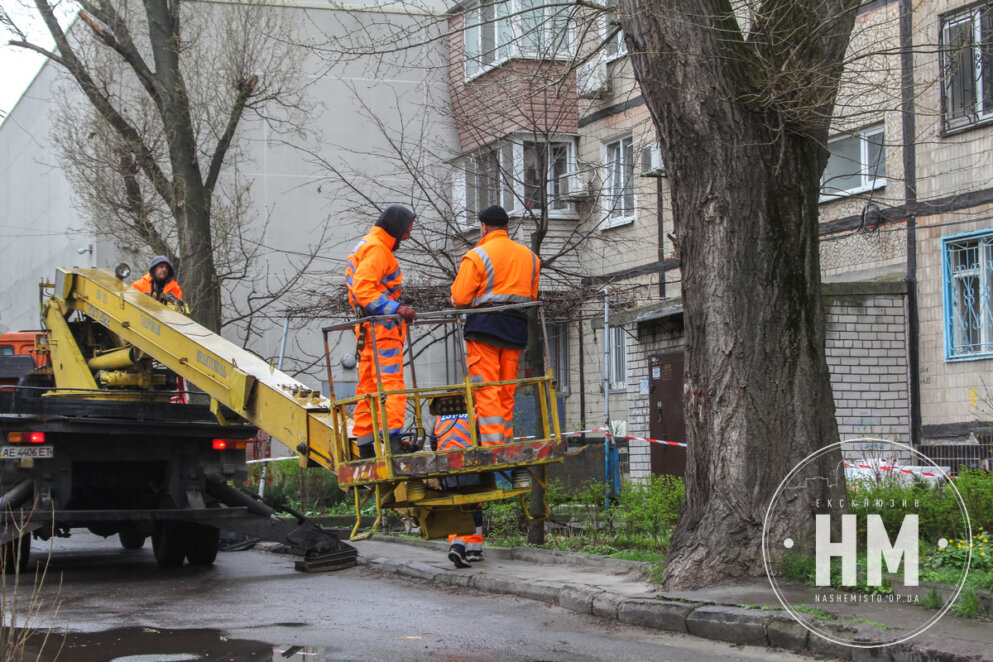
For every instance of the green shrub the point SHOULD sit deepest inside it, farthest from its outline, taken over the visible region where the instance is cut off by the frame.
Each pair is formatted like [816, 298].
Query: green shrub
[651, 507]
[313, 490]
[976, 488]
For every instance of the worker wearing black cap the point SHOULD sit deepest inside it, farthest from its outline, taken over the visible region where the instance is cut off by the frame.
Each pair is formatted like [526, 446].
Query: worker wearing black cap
[373, 280]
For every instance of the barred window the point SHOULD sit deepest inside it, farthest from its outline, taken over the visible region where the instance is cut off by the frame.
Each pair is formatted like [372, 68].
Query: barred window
[968, 266]
[967, 67]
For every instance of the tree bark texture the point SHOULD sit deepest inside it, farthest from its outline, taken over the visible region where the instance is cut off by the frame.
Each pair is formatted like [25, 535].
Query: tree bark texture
[743, 120]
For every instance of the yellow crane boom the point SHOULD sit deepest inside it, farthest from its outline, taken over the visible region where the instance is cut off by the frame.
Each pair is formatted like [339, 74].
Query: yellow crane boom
[233, 377]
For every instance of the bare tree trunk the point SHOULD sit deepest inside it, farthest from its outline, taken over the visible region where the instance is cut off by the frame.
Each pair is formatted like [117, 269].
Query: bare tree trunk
[745, 185]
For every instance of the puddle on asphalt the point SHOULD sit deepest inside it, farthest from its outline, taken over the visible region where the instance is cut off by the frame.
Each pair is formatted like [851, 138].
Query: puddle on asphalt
[160, 645]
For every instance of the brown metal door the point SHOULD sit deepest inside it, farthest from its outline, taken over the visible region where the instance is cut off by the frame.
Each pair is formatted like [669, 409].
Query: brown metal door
[665, 393]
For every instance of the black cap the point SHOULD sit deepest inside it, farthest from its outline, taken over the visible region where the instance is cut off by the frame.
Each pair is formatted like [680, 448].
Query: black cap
[395, 219]
[494, 215]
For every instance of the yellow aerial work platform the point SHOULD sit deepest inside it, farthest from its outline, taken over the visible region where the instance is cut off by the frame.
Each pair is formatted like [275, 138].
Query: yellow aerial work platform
[421, 485]
[242, 385]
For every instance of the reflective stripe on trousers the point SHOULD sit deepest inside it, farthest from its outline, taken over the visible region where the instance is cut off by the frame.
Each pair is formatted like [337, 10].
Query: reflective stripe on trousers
[494, 404]
[474, 541]
[391, 373]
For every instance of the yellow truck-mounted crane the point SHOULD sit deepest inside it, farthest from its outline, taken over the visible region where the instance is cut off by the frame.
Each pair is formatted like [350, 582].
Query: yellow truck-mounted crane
[93, 440]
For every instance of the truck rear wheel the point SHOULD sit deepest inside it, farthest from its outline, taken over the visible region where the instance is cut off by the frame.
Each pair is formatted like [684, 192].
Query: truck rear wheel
[202, 544]
[169, 544]
[16, 553]
[131, 539]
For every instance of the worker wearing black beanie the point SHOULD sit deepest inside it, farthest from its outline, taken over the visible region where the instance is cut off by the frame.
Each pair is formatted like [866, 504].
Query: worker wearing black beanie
[374, 280]
[397, 221]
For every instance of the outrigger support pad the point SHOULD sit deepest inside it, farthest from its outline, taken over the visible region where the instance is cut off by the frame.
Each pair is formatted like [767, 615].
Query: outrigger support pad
[324, 550]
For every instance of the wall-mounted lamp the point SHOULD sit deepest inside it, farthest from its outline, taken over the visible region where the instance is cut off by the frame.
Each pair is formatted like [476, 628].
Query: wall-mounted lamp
[85, 249]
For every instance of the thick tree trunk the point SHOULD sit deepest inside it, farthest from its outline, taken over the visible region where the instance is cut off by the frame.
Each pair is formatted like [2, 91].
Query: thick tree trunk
[191, 199]
[744, 180]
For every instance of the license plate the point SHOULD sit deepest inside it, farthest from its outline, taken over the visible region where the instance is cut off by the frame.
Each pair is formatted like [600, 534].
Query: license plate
[18, 452]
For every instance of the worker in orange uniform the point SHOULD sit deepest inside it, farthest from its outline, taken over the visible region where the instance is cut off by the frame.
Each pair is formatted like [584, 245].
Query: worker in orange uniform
[451, 432]
[160, 281]
[373, 280]
[497, 271]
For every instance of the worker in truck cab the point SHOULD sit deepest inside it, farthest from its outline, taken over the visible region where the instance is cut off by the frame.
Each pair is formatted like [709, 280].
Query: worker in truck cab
[498, 271]
[373, 280]
[160, 281]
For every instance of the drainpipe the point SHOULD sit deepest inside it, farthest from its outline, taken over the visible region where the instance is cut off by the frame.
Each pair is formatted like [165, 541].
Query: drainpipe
[582, 382]
[608, 438]
[909, 140]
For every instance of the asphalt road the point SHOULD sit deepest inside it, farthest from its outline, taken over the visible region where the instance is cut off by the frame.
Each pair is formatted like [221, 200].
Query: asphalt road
[118, 605]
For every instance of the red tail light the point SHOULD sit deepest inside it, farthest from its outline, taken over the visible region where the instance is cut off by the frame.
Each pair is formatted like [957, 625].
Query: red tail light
[229, 444]
[26, 437]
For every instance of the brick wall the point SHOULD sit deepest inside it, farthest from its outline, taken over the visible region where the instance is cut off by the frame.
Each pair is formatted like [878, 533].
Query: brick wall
[866, 353]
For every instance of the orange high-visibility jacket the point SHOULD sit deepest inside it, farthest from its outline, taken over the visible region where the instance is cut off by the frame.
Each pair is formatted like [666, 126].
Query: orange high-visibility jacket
[373, 280]
[497, 271]
[144, 284]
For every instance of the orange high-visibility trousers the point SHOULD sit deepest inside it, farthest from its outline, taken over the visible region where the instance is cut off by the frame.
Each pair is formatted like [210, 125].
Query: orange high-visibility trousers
[391, 371]
[494, 404]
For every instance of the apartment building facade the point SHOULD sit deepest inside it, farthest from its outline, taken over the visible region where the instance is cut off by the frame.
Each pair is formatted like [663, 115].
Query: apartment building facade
[906, 236]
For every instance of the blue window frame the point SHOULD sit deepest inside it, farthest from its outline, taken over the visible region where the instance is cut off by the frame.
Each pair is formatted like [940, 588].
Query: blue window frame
[967, 261]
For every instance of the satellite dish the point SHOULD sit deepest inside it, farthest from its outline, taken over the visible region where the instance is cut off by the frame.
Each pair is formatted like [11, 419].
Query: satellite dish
[348, 361]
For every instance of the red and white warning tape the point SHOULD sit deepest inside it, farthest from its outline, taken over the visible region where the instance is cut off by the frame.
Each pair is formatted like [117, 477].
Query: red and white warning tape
[651, 441]
[615, 436]
[273, 459]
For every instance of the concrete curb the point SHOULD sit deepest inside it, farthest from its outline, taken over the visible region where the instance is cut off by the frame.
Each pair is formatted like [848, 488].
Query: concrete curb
[717, 622]
[535, 555]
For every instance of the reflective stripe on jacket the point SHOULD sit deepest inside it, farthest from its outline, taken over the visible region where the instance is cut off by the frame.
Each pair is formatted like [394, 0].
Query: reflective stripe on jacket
[497, 271]
[452, 432]
[144, 284]
[373, 280]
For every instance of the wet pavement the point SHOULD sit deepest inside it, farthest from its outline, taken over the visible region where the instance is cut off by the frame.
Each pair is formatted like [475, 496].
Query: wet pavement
[834, 623]
[106, 604]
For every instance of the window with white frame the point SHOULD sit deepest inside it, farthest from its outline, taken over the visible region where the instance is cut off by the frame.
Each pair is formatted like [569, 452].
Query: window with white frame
[496, 30]
[619, 194]
[857, 163]
[558, 351]
[967, 66]
[618, 358]
[615, 47]
[520, 175]
[968, 267]
[483, 181]
[545, 168]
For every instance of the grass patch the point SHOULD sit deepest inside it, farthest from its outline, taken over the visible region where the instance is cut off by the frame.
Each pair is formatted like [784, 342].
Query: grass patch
[933, 600]
[639, 555]
[968, 605]
[819, 614]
